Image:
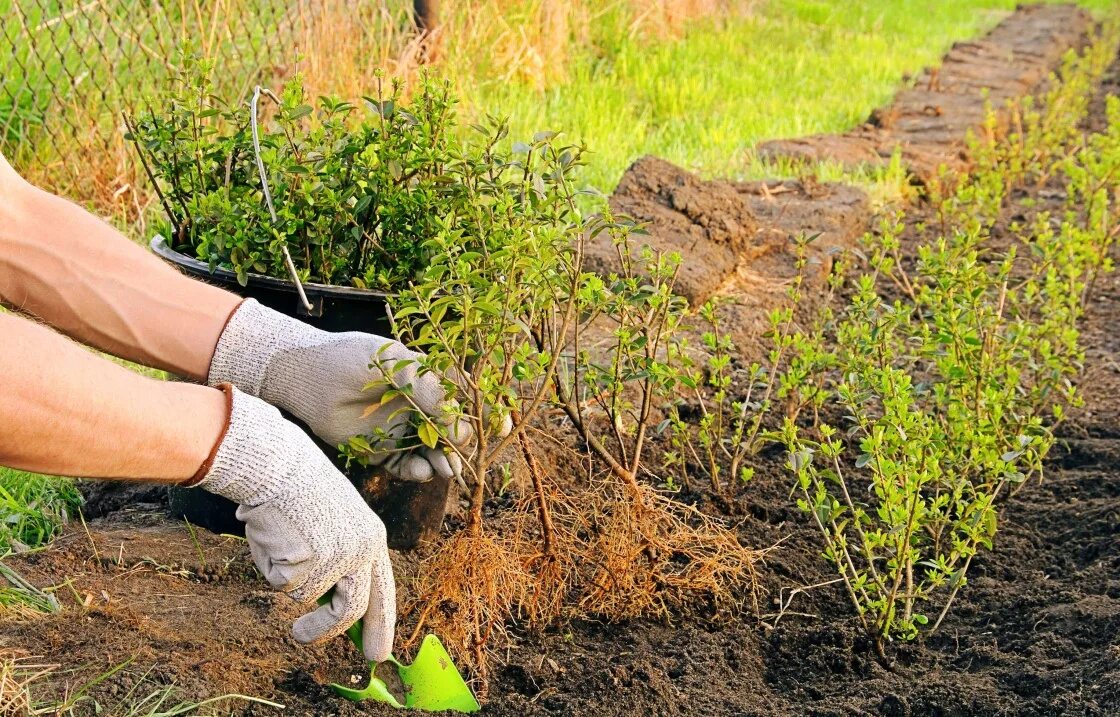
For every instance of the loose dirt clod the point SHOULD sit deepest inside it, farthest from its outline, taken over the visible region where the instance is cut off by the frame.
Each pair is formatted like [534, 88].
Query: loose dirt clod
[706, 222]
[387, 673]
[837, 215]
[736, 239]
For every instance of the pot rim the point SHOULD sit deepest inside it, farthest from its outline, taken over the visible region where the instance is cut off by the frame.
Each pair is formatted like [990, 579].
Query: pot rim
[161, 248]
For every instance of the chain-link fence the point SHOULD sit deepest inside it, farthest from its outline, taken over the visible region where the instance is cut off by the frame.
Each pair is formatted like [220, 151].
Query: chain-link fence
[69, 68]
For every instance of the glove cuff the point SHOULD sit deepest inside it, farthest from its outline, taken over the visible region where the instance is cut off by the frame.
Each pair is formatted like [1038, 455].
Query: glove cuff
[259, 455]
[251, 338]
[227, 389]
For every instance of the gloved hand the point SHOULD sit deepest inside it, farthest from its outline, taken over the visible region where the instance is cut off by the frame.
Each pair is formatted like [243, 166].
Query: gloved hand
[318, 377]
[307, 527]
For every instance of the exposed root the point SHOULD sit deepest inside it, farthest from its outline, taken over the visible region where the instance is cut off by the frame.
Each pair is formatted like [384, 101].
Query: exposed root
[476, 585]
[651, 555]
[553, 565]
[616, 552]
[467, 593]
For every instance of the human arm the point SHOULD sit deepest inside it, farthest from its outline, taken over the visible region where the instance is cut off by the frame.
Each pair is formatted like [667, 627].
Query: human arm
[68, 411]
[81, 276]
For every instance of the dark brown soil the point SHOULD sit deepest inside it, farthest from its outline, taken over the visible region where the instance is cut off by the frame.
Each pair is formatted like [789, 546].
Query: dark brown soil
[1037, 632]
[191, 614]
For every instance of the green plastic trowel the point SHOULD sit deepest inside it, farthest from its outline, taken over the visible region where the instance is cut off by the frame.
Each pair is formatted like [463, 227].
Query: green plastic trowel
[430, 683]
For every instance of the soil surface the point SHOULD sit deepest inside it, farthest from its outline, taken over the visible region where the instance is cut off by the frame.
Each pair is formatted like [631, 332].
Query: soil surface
[1037, 632]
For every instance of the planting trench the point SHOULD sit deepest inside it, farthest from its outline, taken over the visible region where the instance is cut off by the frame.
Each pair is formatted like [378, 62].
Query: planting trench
[1036, 632]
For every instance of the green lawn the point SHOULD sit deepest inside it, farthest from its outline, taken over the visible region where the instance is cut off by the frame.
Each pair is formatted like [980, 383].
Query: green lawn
[33, 507]
[790, 68]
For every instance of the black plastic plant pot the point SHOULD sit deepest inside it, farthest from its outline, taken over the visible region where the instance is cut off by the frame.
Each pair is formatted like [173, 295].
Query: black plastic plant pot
[412, 512]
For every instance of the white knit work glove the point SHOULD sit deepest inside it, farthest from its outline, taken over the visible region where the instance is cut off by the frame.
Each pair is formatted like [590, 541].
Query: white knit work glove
[318, 377]
[308, 529]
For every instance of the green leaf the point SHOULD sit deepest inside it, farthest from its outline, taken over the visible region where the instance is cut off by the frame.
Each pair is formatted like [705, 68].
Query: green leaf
[360, 443]
[428, 434]
[299, 112]
[801, 459]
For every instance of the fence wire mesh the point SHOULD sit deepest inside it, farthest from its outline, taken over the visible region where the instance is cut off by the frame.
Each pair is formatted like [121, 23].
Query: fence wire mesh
[68, 69]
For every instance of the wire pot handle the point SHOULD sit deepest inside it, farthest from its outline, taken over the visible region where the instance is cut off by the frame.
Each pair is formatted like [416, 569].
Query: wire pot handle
[257, 92]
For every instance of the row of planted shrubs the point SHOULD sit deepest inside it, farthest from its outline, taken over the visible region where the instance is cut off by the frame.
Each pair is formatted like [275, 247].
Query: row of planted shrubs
[933, 393]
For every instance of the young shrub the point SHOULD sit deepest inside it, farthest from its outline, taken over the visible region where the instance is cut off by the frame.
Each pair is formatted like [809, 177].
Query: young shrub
[1091, 180]
[521, 335]
[728, 430]
[943, 405]
[481, 243]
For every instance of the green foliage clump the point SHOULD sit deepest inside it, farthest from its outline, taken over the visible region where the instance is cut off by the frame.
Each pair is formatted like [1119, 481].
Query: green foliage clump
[524, 335]
[357, 190]
[502, 308]
[33, 508]
[732, 400]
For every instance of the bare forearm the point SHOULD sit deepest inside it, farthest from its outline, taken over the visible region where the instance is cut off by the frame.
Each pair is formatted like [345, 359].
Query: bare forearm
[67, 411]
[81, 276]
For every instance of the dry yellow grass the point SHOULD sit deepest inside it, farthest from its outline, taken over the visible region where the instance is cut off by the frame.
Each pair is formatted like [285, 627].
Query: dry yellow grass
[336, 44]
[342, 42]
[17, 673]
